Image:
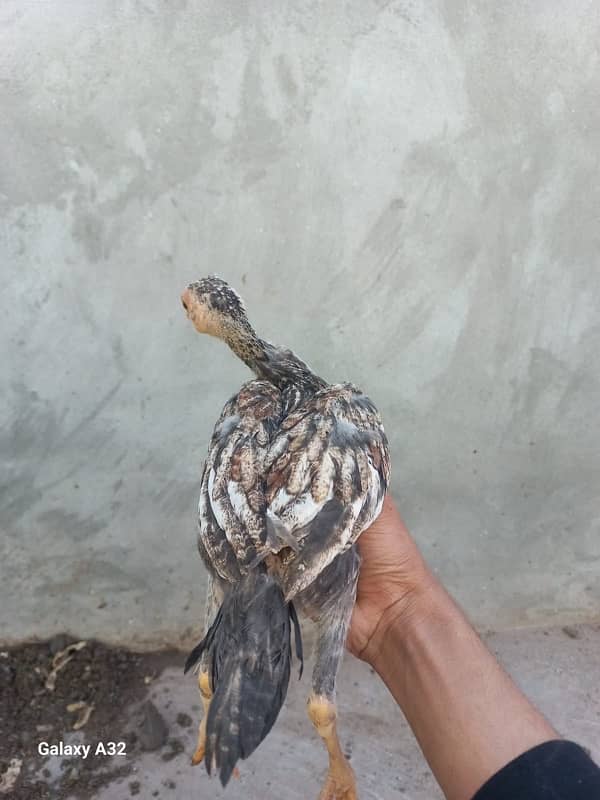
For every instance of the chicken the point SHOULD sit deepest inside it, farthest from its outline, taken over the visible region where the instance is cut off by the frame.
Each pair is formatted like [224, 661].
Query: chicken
[297, 468]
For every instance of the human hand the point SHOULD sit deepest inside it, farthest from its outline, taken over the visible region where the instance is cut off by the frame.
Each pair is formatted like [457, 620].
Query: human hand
[392, 583]
[468, 716]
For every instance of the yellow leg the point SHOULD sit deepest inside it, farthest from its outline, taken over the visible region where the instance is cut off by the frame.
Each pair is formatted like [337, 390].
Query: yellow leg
[206, 695]
[340, 783]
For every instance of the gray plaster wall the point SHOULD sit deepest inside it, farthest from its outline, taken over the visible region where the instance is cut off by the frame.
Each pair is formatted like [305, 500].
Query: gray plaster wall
[406, 193]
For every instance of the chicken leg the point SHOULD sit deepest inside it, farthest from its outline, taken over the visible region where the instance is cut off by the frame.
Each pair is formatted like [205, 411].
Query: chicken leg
[332, 626]
[340, 783]
[204, 685]
[206, 696]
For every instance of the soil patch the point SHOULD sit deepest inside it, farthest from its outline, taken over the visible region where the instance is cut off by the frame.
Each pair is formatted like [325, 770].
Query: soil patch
[78, 694]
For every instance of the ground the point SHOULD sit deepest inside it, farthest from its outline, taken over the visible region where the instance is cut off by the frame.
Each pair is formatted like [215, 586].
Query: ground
[145, 701]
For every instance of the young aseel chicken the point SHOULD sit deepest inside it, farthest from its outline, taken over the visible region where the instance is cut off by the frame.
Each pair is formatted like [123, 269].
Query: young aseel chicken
[297, 468]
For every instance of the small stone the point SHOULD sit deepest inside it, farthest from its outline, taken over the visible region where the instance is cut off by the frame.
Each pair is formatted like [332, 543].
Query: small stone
[58, 643]
[571, 632]
[72, 775]
[10, 775]
[153, 729]
[134, 787]
[7, 674]
[184, 720]
[175, 747]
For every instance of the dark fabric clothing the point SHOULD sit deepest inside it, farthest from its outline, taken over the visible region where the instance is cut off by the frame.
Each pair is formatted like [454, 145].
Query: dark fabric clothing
[557, 770]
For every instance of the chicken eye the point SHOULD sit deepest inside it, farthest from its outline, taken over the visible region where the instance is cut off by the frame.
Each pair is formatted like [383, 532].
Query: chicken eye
[184, 304]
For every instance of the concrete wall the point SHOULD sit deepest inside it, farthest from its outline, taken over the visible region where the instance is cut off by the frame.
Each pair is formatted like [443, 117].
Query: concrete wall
[407, 193]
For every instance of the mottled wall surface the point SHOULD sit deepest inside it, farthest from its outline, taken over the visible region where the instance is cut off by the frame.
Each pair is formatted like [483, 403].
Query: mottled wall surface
[407, 193]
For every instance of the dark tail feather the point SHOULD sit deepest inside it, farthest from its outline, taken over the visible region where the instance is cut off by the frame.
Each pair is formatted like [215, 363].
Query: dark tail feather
[249, 652]
[196, 654]
[297, 638]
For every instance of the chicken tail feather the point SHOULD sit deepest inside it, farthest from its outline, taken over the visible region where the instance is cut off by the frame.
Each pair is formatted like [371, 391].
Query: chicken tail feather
[248, 648]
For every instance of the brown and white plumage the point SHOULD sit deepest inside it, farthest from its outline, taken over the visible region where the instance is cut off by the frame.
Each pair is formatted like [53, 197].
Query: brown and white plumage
[301, 486]
[296, 470]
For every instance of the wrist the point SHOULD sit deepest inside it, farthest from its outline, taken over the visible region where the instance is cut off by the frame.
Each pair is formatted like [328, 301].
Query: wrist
[410, 611]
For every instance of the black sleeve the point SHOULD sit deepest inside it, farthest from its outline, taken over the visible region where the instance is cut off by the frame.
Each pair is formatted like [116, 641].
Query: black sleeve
[551, 771]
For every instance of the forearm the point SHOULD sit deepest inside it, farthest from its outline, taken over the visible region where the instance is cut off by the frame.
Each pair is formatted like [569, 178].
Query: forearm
[468, 716]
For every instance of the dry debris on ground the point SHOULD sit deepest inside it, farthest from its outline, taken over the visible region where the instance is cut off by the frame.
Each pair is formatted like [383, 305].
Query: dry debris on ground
[80, 692]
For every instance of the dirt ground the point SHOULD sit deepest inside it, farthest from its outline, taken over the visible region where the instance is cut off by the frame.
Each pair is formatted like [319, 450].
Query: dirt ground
[88, 694]
[63, 690]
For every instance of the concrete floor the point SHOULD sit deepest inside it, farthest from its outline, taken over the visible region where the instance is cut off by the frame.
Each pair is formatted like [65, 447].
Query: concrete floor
[558, 668]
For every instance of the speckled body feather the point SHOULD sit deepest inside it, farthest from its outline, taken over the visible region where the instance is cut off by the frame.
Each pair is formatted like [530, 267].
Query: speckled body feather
[292, 478]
